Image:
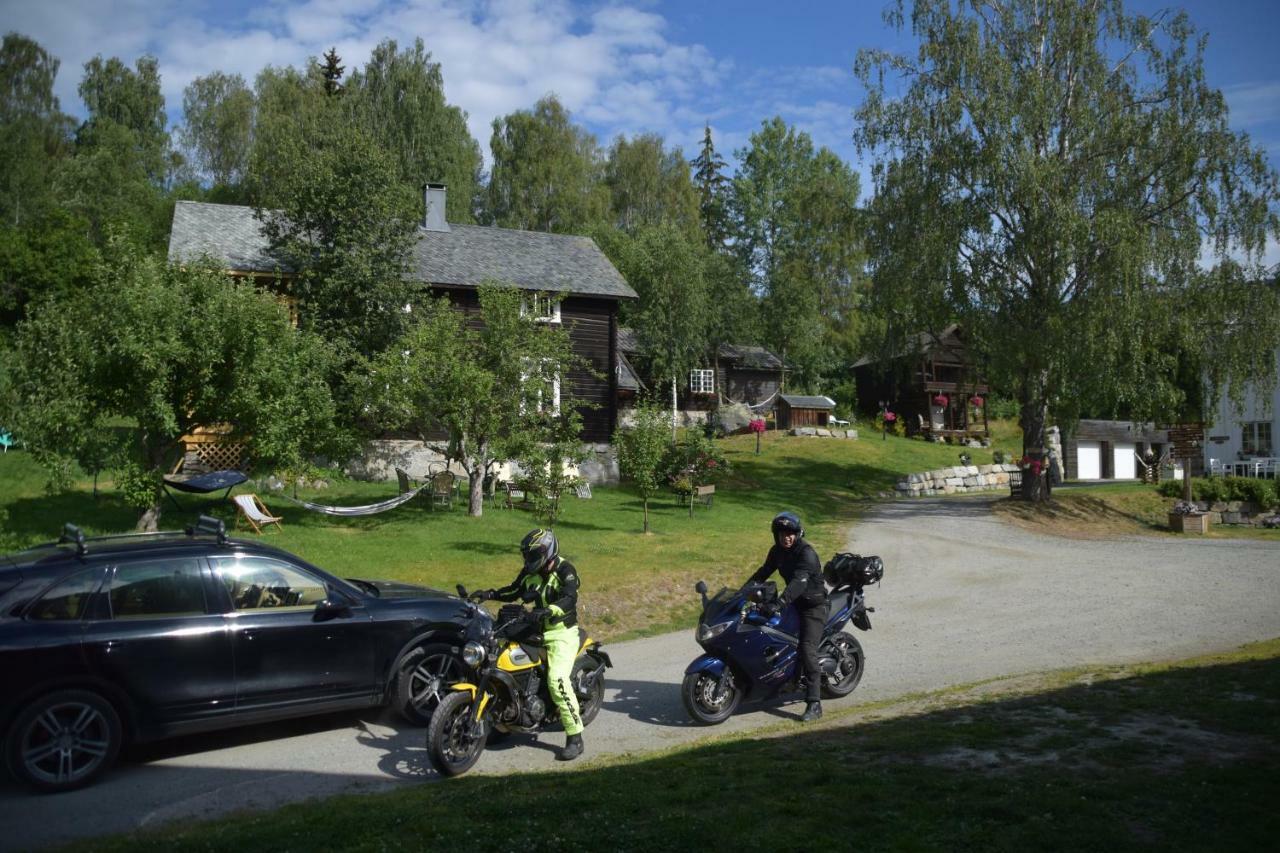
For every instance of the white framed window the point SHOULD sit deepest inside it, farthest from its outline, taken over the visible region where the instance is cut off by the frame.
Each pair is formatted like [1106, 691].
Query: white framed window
[544, 398]
[542, 307]
[1255, 438]
[702, 381]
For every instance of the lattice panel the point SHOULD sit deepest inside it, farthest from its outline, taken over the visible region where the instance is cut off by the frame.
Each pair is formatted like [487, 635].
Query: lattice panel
[220, 456]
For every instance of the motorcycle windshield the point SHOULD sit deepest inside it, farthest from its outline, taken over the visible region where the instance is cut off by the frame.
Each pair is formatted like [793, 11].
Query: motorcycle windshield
[721, 605]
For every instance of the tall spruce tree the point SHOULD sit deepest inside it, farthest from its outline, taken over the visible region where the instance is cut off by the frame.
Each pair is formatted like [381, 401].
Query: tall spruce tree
[713, 187]
[332, 72]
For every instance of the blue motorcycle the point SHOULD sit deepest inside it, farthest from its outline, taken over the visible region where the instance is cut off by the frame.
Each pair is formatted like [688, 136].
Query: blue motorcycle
[750, 655]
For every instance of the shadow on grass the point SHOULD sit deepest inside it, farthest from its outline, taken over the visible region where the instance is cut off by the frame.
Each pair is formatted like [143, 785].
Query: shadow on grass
[1173, 760]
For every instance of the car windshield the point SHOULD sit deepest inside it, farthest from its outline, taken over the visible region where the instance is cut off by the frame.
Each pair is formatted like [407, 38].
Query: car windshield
[370, 588]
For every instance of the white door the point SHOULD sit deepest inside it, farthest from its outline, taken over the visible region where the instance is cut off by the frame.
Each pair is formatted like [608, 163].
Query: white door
[1123, 460]
[1089, 460]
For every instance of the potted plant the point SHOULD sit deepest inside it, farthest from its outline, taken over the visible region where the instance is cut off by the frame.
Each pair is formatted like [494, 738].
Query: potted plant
[1187, 517]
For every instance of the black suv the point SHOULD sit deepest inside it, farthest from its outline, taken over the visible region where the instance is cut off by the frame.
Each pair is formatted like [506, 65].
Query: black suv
[124, 638]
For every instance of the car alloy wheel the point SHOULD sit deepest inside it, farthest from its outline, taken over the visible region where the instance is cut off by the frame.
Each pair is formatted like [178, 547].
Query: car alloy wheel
[62, 740]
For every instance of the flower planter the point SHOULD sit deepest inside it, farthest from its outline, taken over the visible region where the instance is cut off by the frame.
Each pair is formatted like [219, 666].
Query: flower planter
[1198, 523]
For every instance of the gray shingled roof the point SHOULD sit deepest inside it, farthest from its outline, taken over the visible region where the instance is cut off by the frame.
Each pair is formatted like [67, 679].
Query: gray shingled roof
[466, 255]
[797, 401]
[752, 357]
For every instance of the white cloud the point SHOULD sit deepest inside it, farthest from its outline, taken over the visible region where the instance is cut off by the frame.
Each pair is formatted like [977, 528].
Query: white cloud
[1253, 104]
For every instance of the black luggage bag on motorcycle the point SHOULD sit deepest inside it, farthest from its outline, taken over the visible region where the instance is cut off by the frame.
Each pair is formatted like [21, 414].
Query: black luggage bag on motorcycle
[853, 570]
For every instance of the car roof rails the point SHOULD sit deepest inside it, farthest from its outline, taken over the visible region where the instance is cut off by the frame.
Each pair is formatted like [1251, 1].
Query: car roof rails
[71, 533]
[207, 524]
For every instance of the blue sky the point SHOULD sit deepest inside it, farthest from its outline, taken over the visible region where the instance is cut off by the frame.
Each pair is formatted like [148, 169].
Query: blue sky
[620, 67]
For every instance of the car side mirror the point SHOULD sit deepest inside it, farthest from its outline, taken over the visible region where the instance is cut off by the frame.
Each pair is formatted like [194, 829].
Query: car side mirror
[330, 608]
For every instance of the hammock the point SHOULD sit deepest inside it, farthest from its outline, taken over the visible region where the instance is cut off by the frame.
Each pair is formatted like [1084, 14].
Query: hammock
[369, 509]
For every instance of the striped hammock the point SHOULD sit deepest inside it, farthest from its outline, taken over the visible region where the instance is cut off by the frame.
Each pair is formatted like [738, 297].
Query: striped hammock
[349, 511]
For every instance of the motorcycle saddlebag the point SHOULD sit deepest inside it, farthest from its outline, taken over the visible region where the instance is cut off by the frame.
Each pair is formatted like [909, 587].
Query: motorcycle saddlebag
[853, 570]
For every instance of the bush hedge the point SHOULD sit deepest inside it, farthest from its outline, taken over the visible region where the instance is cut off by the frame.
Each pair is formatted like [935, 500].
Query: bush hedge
[1263, 493]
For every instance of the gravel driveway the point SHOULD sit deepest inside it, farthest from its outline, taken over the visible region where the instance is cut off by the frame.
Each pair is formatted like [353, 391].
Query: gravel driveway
[965, 598]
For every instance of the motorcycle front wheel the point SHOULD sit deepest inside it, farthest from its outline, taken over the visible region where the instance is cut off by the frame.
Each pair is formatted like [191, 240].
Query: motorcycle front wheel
[454, 742]
[699, 693]
[849, 663]
[589, 698]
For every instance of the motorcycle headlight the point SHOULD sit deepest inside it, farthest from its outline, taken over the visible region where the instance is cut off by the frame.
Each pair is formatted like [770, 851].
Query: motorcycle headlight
[473, 654]
[706, 632]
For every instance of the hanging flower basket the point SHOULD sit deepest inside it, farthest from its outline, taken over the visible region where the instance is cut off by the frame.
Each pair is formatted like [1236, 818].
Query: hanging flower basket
[977, 401]
[890, 417]
[756, 425]
[941, 400]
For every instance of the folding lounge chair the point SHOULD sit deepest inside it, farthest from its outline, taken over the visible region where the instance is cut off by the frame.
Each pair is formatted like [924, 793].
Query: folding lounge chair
[254, 511]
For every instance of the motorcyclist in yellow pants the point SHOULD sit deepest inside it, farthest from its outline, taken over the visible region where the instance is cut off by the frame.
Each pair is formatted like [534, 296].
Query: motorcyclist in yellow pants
[551, 583]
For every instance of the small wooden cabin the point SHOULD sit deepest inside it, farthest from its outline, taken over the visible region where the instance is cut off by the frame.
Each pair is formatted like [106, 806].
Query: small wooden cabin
[800, 411]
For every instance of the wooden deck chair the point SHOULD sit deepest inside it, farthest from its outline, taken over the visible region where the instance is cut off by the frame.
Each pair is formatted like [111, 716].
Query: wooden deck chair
[253, 510]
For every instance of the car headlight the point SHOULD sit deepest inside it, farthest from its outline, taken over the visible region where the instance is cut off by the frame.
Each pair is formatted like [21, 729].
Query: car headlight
[706, 632]
[473, 654]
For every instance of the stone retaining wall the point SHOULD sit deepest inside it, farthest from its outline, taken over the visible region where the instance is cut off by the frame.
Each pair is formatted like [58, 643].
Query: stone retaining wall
[1235, 512]
[958, 480]
[824, 432]
[382, 457]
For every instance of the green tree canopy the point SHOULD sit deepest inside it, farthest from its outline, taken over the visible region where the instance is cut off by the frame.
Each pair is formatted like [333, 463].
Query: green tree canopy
[217, 130]
[798, 233]
[34, 133]
[167, 349]
[1049, 175]
[490, 387]
[399, 98]
[123, 160]
[667, 267]
[650, 185]
[546, 172]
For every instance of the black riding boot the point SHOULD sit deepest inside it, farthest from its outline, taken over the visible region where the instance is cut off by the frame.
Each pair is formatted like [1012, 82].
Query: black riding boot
[812, 712]
[572, 748]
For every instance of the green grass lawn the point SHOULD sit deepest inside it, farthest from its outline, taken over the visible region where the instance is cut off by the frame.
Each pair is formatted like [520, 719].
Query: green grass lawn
[633, 584]
[1166, 757]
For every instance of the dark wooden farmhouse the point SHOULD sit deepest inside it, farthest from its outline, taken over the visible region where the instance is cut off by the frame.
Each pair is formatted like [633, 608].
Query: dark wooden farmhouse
[739, 374]
[453, 260]
[933, 386]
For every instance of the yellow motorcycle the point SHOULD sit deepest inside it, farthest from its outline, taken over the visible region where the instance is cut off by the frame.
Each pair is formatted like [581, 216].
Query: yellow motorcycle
[510, 692]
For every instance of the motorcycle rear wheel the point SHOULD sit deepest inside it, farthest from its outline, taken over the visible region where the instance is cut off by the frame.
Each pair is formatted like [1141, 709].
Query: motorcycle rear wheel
[698, 693]
[850, 661]
[453, 744]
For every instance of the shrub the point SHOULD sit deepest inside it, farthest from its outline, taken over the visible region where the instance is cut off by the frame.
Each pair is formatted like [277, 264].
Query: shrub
[696, 461]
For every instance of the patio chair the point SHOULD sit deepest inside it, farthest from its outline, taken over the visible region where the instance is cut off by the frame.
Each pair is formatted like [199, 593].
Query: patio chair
[442, 490]
[407, 483]
[253, 510]
[6, 440]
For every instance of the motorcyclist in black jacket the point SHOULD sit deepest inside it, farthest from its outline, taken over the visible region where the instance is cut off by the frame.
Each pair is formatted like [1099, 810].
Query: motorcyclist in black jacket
[801, 570]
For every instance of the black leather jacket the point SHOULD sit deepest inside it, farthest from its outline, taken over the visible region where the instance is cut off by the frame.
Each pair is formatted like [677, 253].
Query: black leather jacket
[801, 570]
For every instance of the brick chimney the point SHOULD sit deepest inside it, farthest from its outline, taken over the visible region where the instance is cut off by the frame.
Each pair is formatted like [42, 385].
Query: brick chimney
[433, 197]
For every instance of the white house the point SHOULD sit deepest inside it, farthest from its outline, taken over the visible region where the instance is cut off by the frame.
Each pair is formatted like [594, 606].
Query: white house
[1251, 431]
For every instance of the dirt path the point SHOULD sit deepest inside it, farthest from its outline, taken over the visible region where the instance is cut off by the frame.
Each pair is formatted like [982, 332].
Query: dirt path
[965, 598]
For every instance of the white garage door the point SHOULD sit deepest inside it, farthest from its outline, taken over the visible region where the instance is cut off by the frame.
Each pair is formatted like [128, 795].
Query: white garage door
[1089, 460]
[1124, 460]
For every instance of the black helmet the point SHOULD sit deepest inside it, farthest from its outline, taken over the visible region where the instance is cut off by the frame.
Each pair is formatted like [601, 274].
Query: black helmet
[786, 522]
[539, 548]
